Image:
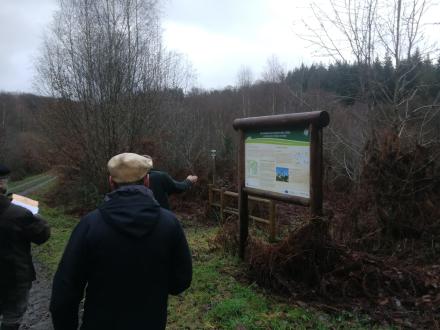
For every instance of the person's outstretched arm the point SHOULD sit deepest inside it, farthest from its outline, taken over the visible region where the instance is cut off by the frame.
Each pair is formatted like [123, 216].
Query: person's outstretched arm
[70, 281]
[173, 186]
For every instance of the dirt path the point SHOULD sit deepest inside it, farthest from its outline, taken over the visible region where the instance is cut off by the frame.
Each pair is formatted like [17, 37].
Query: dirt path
[37, 316]
[39, 185]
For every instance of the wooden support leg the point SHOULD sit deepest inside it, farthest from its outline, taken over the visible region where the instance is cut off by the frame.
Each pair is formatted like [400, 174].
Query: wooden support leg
[210, 195]
[244, 222]
[222, 204]
[272, 221]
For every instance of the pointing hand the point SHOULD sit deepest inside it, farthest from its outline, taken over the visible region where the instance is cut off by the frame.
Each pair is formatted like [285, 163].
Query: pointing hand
[192, 178]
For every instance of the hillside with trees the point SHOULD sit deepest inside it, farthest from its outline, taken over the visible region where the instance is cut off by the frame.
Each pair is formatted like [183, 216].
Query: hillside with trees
[110, 86]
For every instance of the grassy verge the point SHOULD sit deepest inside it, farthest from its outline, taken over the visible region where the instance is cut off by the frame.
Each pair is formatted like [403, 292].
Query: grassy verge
[216, 300]
[31, 181]
[61, 227]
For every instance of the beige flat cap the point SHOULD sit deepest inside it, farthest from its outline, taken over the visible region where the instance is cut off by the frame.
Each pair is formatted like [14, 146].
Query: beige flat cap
[129, 167]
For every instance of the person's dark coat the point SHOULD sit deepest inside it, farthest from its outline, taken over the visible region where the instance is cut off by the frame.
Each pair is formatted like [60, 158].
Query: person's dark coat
[131, 254]
[163, 185]
[18, 229]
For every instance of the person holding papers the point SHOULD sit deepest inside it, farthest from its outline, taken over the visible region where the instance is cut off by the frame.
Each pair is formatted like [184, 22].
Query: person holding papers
[19, 227]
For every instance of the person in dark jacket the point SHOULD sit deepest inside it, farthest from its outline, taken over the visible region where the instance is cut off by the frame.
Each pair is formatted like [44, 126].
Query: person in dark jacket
[162, 185]
[129, 254]
[18, 229]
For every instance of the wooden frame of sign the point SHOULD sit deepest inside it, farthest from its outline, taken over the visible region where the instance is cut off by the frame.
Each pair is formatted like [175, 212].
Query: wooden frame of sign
[294, 138]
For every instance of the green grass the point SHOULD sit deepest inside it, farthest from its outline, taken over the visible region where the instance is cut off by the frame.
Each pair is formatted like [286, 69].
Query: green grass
[17, 186]
[61, 227]
[215, 300]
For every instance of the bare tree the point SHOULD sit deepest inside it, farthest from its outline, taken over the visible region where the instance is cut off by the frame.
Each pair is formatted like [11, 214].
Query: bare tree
[274, 75]
[274, 71]
[104, 62]
[360, 31]
[244, 83]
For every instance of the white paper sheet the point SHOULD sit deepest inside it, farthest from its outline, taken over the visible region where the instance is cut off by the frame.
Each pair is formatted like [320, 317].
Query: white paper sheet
[25, 202]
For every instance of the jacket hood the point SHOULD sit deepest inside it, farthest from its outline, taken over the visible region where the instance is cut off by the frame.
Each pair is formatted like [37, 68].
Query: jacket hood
[131, 210]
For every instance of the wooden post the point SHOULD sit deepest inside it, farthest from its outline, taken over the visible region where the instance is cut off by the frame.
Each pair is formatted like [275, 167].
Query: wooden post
[210, 195]
[244, 222]
[316, 195]
[272, 221]
[243, 213]
[222, 204]
[213, 170]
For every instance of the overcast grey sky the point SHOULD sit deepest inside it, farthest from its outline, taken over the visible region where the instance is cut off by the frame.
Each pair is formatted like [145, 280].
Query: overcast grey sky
[221, 36]
[217, 36]
[21, 29]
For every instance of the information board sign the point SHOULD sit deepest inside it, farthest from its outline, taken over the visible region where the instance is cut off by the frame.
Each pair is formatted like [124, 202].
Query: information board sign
[278, 161]
[280, 158]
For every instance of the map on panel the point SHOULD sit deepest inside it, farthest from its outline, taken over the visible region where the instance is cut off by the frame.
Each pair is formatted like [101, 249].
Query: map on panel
[278, 162]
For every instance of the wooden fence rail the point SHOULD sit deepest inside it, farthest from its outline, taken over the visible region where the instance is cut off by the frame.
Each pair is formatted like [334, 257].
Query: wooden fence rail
[224, 209]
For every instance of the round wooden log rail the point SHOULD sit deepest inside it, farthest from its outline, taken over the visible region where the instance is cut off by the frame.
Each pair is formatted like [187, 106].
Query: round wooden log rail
[319, 119]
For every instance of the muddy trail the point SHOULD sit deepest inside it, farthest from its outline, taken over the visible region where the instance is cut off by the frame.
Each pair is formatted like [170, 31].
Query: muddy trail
[37, 316]
[30, 186]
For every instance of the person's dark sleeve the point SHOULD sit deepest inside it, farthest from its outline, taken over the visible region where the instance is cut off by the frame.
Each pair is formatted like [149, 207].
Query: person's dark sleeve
[181, 268]
[35, 228]
[69, 281]
[175, 187]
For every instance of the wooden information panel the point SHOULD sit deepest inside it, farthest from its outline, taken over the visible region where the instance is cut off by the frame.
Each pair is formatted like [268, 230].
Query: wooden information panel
[278, 161]
[280, 158]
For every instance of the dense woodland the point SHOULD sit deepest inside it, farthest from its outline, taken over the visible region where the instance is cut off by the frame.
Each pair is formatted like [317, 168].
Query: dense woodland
[182, 127]
[23, 144]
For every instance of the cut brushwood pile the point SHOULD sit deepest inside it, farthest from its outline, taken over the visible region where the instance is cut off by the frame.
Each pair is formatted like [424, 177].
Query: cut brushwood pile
[396, 207]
